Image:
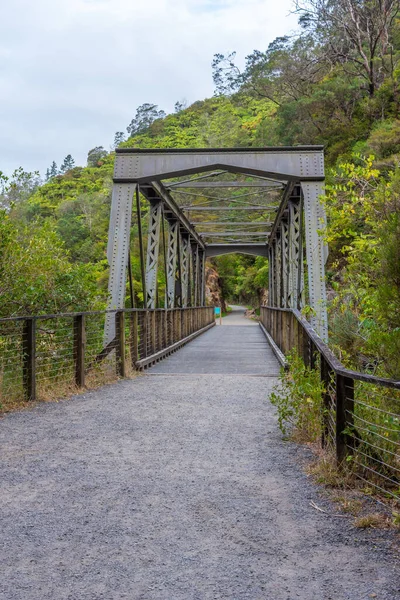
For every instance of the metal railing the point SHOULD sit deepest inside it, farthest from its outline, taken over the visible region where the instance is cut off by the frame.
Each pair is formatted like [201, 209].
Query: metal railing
[48, 356]
[360, 416]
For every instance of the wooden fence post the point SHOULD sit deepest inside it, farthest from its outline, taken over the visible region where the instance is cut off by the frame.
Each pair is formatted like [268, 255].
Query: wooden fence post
[325, 374]
[79, 349]
[134, 339]
[120, 345]
[344, 415]
[29, 358]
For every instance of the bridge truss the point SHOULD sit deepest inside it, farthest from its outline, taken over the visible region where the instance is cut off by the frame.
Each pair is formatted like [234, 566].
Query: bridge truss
[209, 202]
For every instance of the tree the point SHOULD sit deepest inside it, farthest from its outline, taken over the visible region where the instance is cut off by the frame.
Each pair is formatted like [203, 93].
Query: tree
[118, 138]
[357, 34]
[68, 164]
[19, 187]
[286, 71]
[179, 106]
[95, 156]
[53, 170]
[146, 114]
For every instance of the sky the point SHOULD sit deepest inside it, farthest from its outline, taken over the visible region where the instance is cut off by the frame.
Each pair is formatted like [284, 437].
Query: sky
[73, 72]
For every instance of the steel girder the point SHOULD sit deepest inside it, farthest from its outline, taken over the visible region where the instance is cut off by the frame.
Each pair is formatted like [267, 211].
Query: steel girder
[271, 273]
[316, 252]
[284, 263]
[185, 268]
[255, 249]
[296, 266]
[278, 272]
[153, 248]
[284, 164]
[172, 256]
[118, 251]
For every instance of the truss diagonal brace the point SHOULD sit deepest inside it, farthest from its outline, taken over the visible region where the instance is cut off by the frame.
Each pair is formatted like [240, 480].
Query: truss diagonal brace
[172, 256]
[153, 248]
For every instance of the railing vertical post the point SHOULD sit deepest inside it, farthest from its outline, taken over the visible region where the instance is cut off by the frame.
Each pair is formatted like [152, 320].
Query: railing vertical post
[29, 358]
[79, 349]
[165, 325]
[120, 345]
[344, 415]
[313, 358]
[305, 344]
[179, 324]
[146, 333]
[325, 373]
[134, 339]
[153, 331]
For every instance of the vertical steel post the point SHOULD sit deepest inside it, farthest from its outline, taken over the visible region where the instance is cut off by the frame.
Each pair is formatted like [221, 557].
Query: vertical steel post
[278, 272]
[316, 251]
[184, 253]
[172, 255]
[202, 278]
[285, 262]
[118, 250]
[153, 248]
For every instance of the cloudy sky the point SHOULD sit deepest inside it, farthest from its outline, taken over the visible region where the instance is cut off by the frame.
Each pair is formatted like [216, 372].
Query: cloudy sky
[72, 72]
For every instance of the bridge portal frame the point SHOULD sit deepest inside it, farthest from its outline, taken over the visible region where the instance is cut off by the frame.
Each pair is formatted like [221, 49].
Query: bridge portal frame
[299, 170]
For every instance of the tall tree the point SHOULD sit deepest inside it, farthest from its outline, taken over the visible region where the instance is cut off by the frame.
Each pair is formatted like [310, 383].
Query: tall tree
[68, 164]
[146, 114]
[118, 138]
[53, 170]
[356, 33]
[95, 155]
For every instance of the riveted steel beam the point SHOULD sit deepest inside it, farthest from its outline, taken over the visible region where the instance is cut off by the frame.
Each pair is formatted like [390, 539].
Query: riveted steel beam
[172, 256]
[194, 208]
[236, 233]
[118, 251]
[254, 249]
[282, 163]
[227, 184]
[315, 221]
[284, 262]
[185, 269]
[230, 223]
[153, 248]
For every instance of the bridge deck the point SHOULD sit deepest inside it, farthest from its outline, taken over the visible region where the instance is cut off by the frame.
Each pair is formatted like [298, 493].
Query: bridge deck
[175, 487]
[237, 347]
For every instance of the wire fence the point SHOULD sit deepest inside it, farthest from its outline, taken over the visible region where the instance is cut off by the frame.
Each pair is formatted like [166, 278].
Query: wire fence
[52, 356]
[360, 413]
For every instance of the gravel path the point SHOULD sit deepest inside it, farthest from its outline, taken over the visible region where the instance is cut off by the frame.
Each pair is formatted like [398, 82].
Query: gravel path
[173, 487]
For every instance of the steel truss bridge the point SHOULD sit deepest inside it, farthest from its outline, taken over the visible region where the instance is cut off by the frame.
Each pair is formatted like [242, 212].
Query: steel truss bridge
[209, 202]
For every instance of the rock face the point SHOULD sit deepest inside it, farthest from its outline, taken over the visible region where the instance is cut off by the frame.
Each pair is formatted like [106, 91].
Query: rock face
[213, 288]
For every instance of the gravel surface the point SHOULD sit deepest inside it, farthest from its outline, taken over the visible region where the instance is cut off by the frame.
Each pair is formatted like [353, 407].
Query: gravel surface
[173, 488]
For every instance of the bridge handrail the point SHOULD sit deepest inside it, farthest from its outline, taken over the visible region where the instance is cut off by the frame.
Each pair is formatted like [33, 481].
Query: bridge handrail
[53, 355]
[360, 413]
[329, 356]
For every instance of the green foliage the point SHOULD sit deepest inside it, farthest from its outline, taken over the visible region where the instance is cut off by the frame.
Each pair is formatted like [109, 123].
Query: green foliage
[36, 274]
[298, 399]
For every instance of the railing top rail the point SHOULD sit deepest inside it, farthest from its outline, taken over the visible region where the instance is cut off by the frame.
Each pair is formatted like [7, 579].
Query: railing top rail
[95, 312]
[330, 358]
